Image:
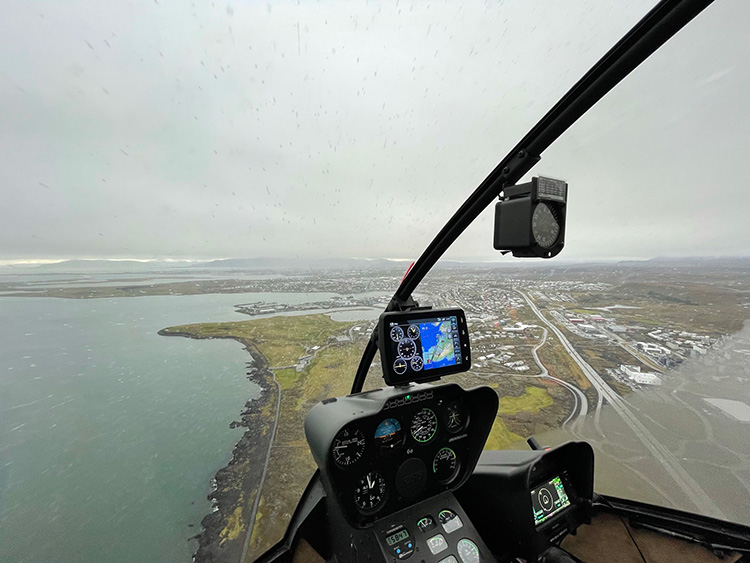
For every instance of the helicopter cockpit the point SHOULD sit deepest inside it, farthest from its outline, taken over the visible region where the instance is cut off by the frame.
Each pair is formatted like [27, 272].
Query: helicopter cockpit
[402, 474]
[392, 461]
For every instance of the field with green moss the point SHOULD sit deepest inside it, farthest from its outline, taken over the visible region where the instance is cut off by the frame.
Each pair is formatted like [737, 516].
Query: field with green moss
[278, 344]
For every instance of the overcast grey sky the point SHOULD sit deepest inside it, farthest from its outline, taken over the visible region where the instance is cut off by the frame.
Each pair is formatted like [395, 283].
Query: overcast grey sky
[157, 129]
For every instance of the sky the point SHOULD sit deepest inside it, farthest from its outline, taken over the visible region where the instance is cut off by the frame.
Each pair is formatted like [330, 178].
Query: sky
[173, 130]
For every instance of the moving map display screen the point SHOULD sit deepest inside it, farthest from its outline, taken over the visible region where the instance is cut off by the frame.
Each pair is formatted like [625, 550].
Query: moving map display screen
[423, 345]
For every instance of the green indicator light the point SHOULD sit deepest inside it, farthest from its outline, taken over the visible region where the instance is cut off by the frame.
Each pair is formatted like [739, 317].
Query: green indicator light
[408, 396]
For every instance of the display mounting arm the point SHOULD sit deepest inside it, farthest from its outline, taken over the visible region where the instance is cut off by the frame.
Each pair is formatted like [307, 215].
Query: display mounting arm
[655, 29]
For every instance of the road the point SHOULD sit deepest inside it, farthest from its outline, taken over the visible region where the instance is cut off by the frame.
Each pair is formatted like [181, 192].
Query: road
[670, 463]
[581, 405]
[254, 512]
[259, 490]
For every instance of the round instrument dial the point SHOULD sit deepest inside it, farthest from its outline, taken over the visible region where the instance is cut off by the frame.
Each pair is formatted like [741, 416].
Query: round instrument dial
[389, 435]
[397, 333]
[468, 551]
[545, 226]
[424, 426]
[370, 493]
[413, 332]
[407, 348]
[399, 366]
[348, 447]
[455, 419]
[445, 465]
[417, 363]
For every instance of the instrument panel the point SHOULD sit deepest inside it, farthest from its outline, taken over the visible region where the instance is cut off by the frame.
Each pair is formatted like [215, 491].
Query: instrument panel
[403, 446]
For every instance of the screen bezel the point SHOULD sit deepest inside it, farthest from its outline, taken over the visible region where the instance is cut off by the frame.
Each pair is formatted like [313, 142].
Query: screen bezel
[387, 356]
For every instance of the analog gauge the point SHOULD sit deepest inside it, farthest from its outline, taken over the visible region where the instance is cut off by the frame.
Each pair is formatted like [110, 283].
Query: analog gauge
[389, 435]
[407, 348]
[424, 426]
[399, 366]
[450, 520]
[454, 417]
[370, 493]
[413, 332]
[348, 447]
[545, 226]
[417, 363]
[445, 465]
[397, 333]
[468, 551]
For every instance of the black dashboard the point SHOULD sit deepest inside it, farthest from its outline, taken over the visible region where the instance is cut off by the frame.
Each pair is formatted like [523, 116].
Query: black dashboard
[384, 450]
[405, 475]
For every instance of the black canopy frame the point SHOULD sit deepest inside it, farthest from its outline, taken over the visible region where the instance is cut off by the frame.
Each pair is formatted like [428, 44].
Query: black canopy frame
[655, 29]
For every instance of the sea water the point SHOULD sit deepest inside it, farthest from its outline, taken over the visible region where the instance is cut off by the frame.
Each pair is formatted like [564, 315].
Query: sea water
[109, 433]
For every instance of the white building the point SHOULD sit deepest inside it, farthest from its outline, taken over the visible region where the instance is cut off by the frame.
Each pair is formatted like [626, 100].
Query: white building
[635, 374]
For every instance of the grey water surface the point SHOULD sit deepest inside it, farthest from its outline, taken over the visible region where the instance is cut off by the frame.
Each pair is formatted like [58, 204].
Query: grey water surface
[109, 433]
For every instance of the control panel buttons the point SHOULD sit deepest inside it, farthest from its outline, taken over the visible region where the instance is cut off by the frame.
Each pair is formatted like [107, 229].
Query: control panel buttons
[425, 524]
[450, 521]
[437, 544]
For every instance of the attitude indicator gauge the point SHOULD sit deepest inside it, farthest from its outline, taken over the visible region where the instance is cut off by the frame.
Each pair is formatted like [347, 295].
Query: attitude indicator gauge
[399, 366]
[389, 435]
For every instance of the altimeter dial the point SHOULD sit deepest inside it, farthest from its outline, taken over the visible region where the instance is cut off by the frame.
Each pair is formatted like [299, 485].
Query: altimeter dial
[348, 447]
[407, 348]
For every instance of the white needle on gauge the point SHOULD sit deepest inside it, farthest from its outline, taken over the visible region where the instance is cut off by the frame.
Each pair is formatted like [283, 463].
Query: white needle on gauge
[369, 482]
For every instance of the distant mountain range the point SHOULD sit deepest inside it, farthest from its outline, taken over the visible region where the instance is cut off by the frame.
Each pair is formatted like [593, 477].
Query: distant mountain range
[313, 264]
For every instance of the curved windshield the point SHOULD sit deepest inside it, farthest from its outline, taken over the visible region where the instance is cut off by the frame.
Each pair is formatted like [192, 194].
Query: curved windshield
[206, 207]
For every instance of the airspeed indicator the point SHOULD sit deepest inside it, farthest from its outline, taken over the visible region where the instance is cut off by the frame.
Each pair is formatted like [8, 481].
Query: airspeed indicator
[397, 333]
[424, 426]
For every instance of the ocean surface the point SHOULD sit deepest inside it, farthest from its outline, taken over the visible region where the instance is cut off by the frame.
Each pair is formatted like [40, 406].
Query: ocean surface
[109, 433]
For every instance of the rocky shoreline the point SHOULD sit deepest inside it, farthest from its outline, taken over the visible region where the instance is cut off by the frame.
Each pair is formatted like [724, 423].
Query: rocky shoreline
[225, 529]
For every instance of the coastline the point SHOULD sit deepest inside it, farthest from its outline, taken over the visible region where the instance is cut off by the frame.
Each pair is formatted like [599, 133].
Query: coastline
[236, 486]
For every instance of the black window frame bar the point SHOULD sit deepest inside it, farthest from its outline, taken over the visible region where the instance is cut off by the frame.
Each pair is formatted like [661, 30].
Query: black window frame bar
[655, 29]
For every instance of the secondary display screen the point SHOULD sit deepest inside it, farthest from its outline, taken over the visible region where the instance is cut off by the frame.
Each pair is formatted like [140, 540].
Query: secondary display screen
[423, 345]
[397, 537]
[549, 499]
